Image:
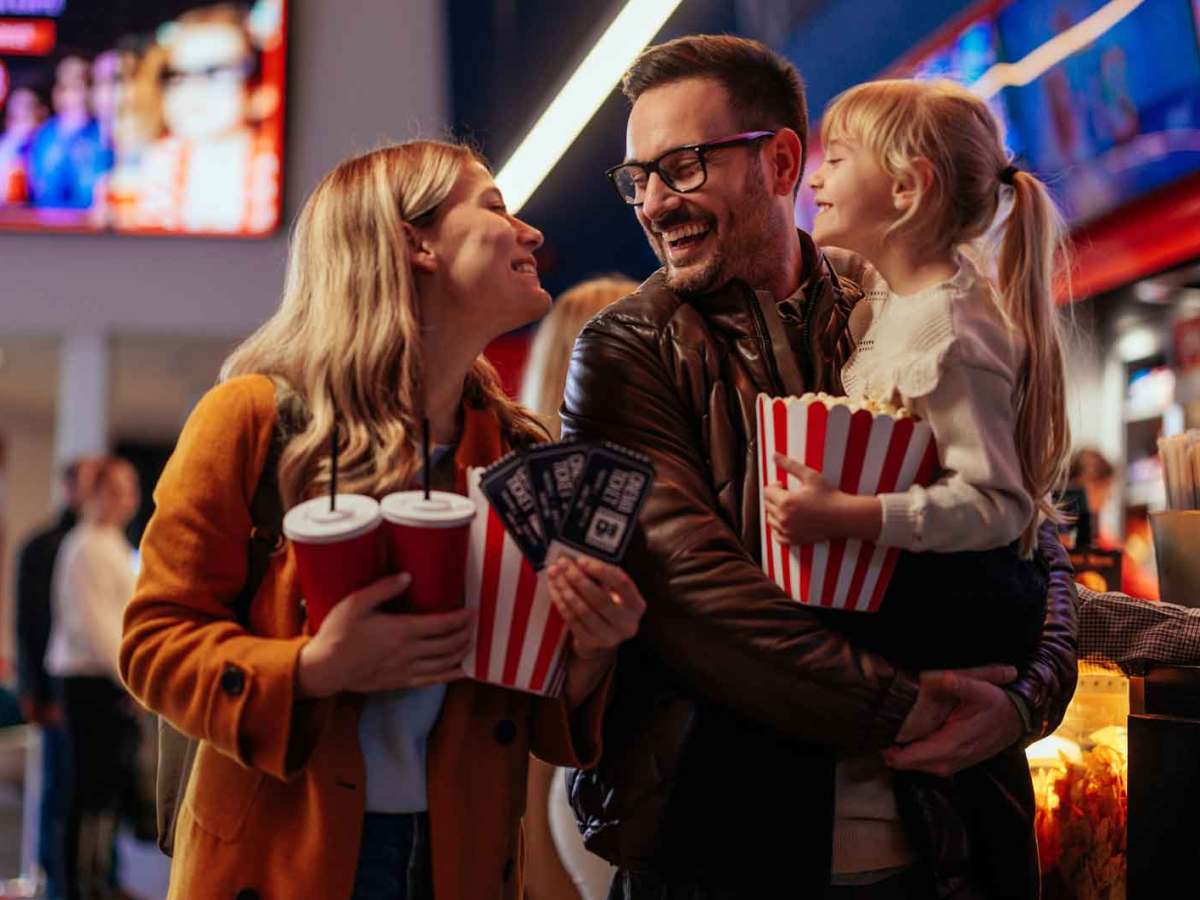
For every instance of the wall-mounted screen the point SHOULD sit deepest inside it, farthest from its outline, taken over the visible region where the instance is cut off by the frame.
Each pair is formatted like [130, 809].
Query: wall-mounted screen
[140, 117]
[1117, 118]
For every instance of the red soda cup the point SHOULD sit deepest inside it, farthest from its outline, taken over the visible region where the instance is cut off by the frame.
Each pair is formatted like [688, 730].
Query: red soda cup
[337, 550]
[428, 538]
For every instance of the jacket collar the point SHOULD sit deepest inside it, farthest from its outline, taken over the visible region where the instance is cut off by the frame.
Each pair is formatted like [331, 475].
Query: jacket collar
[819, 278]
[482, 443]
[784, 338]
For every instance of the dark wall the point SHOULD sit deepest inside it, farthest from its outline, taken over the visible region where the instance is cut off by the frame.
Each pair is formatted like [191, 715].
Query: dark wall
[508, 60]
[842, 42]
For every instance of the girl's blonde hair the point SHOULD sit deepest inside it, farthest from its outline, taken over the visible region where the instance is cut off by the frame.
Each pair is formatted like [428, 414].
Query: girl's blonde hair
[546, 373]
[346, 336]
[901, 121]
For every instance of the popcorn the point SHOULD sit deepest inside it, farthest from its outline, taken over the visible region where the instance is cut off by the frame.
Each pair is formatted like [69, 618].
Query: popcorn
[867, 404]
[862, 447]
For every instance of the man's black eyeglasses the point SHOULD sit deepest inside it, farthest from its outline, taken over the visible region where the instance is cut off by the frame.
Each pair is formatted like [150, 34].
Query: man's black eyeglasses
[682, 169]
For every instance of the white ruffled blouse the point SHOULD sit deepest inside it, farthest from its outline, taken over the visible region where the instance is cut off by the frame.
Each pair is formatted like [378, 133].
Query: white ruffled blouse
[948, 354]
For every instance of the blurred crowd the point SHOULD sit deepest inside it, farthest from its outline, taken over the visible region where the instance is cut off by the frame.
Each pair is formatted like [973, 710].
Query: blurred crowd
[73, 580]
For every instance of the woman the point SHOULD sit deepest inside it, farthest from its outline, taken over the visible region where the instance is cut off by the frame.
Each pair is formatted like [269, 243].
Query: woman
[356, 762]
[560, 867]
[93, 578]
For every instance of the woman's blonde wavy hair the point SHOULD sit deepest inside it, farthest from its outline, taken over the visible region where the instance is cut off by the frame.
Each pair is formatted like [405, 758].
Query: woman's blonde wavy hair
[900, 121]
[550, 356]
[346, 336]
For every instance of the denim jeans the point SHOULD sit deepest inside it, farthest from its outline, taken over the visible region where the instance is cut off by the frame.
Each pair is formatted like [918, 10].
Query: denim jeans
[55, 773]
[394, 862]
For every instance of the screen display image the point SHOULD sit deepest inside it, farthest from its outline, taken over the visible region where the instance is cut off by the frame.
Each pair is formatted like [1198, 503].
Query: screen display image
[1119, 117]
[144, 118]
[965, 59]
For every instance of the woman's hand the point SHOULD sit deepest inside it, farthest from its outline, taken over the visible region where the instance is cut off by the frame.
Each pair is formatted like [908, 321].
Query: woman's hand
[358, 648]
[816, 511]
[601, 605]
[602, 608]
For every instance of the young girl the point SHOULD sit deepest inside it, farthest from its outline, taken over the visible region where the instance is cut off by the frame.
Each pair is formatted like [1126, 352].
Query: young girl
[915, 175]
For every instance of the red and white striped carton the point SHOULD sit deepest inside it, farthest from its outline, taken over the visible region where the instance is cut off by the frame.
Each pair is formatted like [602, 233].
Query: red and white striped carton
[858, 450]
[520, 638]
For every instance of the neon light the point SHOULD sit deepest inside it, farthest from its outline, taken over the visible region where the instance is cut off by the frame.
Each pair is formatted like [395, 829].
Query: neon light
[1055, 50]
[630, 32]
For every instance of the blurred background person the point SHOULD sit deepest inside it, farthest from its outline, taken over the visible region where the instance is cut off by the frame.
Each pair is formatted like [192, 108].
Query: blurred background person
[559, 866]
[211, 171]
[23, 114]
[36, 688]
[93, 580]
[550, 353]
[68, 155]
[1091, 471]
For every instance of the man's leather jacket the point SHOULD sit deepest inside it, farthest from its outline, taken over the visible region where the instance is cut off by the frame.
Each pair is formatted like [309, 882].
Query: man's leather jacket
[731, 704]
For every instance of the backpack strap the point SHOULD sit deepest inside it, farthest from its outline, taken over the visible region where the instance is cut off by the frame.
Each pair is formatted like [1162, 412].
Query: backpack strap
[266, 532]
[176, 751]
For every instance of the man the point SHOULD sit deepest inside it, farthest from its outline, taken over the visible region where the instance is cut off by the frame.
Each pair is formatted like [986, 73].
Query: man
[36, 689]
[732, 707]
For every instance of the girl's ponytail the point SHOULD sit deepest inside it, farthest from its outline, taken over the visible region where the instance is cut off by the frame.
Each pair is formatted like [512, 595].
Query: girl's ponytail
[1033, 241]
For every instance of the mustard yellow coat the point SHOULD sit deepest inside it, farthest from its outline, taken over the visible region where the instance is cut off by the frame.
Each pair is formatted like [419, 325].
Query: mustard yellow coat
[274, 808]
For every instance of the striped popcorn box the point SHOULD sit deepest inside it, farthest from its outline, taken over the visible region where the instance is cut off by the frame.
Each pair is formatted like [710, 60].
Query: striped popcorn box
[520, 638]
[860, 448]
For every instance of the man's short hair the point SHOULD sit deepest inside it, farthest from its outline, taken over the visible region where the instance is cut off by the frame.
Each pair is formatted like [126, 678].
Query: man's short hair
[765, 89]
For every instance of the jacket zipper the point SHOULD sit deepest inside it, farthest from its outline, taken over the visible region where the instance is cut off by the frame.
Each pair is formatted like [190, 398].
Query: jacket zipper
[806, 363]
[760, 328]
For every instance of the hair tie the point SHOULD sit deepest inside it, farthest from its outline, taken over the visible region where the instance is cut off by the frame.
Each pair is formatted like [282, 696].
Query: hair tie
[1008, 175]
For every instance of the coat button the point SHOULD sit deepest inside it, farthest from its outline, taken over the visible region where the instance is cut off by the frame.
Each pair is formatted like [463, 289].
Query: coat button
[233, 682]
[508, 869]
[247, 894]
[506, 732]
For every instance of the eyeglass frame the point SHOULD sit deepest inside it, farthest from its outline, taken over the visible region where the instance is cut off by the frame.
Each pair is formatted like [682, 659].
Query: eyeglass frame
[651, 167]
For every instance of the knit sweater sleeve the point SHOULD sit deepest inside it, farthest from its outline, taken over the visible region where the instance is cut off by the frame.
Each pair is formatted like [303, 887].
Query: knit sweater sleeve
[979, 502]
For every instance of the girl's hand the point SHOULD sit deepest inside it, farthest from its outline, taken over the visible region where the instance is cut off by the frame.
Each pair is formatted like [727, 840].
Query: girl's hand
[601, 605]
[361, 649]
[799, 515]
[816, 511]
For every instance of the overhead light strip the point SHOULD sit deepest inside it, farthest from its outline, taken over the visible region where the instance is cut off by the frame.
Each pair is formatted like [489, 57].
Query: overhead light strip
[1055, 50]
[634, 27]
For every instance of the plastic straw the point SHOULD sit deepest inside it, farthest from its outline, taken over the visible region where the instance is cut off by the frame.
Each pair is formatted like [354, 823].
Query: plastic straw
[333, 467]
[427, 473]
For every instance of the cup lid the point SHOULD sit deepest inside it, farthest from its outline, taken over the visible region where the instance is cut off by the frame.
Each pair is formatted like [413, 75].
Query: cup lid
[441, 510]
[313, 522]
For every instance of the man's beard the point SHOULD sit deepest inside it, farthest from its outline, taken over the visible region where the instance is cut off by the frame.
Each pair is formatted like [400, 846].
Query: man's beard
[745, 246]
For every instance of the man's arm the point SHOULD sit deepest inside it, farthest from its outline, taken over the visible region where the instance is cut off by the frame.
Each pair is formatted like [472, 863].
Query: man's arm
[713, 616]
[1132, 634]
[1047, 681]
